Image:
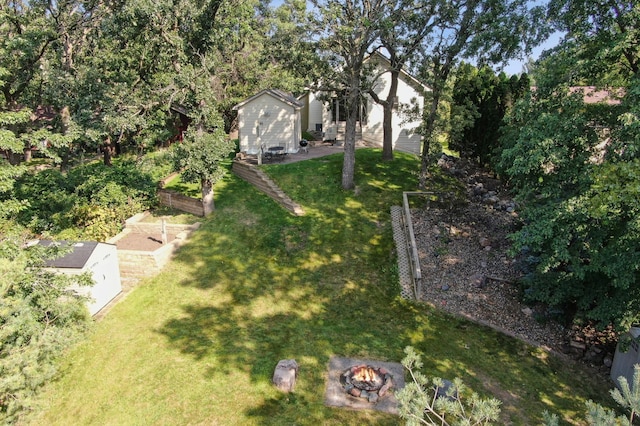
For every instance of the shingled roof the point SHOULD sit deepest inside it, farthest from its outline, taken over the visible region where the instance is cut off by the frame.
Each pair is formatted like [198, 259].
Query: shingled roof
[75, 259]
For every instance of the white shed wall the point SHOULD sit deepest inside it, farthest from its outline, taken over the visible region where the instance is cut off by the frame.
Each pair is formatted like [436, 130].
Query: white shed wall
[104, 269]
[267, 121]
[624, 362]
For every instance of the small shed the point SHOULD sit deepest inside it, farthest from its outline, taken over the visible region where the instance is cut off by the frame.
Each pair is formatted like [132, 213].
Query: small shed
[100, 260]
[268, 119]
[626, 357]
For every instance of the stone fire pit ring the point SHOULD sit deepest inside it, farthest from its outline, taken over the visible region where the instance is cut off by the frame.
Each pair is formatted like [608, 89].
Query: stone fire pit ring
[367, 382]
[336, 395]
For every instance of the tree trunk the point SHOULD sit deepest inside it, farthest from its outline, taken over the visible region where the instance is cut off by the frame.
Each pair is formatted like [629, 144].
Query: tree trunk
[387, 121]
[14, 157]
[107, 151]
[429, 128]
[348, 166]
[207, 196]
[65, 117]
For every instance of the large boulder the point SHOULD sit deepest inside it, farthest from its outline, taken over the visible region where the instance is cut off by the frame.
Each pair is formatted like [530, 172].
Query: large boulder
[285, 374]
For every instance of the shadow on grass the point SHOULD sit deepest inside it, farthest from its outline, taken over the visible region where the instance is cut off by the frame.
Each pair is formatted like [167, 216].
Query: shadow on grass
[275, 286]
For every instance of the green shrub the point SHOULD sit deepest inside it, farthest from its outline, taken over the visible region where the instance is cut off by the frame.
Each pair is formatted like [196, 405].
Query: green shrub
[39, 318]
[90, 201]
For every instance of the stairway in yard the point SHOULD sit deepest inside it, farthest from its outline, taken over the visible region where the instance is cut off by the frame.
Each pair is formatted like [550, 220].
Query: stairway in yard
[260, 180]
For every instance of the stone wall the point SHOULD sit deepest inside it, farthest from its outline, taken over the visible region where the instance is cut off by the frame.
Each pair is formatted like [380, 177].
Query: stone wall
[137, 264]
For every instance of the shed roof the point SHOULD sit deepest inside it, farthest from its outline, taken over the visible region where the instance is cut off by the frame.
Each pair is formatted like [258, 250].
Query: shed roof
[75, 259]
[280, 95]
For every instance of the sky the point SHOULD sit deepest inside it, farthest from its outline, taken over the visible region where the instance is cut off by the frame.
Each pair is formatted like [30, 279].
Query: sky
[517, 66]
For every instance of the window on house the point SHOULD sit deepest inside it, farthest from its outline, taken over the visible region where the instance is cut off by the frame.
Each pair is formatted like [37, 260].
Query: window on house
[339, 111]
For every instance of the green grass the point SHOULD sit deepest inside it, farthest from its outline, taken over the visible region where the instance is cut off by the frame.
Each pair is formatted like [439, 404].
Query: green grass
[198, 343]
[189, 189]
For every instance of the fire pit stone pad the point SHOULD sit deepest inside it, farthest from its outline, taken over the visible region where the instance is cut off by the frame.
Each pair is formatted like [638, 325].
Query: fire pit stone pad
[337, 396]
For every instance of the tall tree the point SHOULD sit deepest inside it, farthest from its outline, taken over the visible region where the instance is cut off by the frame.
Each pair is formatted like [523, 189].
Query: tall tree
[489, 31]
[290, 50]
[31, 33]
[406, 25]
[481, 98]
[574, 165]
[347, 31]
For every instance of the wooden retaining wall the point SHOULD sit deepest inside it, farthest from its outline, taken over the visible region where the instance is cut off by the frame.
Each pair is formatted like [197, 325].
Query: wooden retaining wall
[181, 202]
[260, 180]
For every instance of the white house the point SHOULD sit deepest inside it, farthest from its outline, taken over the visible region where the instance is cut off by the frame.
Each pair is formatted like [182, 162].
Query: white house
[326, 117]
[271, 118]
[100, 260]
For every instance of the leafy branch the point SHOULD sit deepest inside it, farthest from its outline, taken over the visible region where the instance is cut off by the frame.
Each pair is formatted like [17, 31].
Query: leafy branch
[438, 402]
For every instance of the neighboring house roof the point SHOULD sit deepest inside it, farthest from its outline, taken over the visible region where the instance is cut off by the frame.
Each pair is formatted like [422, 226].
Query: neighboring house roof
[75, 259]
[179, 109]
[418, 85]
[280, 95]
[591, 95]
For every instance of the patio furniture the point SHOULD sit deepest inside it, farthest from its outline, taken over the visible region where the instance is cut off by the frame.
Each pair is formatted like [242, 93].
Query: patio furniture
[275, 153]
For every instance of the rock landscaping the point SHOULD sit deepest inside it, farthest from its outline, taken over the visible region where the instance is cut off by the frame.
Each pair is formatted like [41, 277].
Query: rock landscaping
[466, 270]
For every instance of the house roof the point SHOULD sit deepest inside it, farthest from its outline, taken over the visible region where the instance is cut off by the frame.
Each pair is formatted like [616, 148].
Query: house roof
[591, 95]
[179, 109]
[75, 259]
[280, 95]
[408, 77]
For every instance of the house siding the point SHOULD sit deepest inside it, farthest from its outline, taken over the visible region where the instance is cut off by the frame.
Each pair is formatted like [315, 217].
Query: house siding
[405, 138]
[315, 114]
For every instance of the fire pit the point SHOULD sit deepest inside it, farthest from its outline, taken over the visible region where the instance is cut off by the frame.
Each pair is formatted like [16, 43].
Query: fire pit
[367, 382]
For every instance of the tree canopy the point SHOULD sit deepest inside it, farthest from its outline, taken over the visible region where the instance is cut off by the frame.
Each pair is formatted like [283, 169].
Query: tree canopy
[490, 32]
[39, 317]
[479, 103]
[80, 76]
[574, 167]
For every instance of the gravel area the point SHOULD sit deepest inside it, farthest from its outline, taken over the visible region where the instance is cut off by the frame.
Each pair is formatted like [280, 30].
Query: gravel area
[464, 262]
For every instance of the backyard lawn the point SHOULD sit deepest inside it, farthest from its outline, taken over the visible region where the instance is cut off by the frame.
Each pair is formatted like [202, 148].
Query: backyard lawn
[198, 343]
